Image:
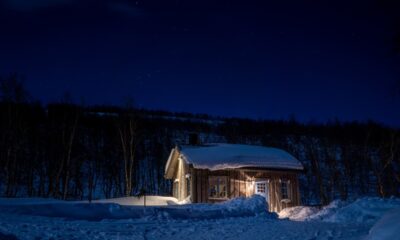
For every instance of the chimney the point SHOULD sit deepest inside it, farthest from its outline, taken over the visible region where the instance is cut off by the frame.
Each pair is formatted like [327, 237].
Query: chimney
[194, 139]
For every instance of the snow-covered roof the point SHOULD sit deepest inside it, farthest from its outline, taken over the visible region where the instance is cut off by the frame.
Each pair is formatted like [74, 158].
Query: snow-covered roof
[228, 156]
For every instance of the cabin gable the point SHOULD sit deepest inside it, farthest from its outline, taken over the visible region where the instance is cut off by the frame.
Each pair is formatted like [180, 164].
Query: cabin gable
[178, 171]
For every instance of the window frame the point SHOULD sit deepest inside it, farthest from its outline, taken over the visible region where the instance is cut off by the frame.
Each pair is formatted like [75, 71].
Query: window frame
[218, 178]
[286, 183]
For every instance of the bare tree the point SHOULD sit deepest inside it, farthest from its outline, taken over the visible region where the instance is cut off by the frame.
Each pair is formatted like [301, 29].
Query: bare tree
[312, 146]
[13, 95]
[66, 118]
[381, 158]
[129, 138]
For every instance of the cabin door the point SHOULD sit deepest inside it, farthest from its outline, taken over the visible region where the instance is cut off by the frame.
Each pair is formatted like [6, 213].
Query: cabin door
[261, 188]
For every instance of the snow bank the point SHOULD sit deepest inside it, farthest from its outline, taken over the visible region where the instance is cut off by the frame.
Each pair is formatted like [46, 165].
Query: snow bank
[307, 213]
[328, 211]
[124, 201]
[299, 213]
[240, 207]
[387, 228]
[363, 210]
[135, 201]
[246, 206]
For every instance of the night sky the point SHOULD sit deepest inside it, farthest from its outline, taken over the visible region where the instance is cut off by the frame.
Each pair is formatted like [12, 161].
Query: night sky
[316, 61]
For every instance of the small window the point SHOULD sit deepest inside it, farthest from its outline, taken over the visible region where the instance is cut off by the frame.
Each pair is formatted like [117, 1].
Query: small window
[260, 187]
[285, 189]
[217, 187]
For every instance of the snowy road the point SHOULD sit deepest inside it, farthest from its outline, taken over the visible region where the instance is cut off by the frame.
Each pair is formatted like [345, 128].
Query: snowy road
[34, 227]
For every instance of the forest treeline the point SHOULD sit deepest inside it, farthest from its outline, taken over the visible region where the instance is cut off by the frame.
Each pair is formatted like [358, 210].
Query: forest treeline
[69, 151]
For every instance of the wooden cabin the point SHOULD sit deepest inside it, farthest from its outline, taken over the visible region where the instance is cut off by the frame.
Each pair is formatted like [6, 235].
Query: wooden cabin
[218, 172]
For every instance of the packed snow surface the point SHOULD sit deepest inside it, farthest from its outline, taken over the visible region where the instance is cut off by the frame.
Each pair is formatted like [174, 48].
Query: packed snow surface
[222, 156]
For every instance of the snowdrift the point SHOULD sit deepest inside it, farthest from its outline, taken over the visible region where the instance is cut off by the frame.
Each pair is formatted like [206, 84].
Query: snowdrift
[240, 207]
[364, 210]
[299, 213]
[387, 228]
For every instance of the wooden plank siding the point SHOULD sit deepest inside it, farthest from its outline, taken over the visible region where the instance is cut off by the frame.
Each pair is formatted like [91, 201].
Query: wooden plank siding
[180, 177]
[240, 183]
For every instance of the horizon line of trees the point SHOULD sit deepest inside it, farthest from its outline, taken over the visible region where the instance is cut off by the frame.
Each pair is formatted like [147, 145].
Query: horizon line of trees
[68, 151]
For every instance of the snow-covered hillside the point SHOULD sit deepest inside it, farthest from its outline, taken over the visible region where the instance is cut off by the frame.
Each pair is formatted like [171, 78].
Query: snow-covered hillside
[241, 218]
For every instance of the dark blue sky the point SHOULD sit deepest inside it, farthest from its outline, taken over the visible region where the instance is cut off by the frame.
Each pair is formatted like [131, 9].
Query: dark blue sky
[318, 60]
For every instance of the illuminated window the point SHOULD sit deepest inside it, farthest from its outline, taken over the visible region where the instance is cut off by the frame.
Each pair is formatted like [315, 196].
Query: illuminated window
[261, 187]
[217, 187]
[285, 189]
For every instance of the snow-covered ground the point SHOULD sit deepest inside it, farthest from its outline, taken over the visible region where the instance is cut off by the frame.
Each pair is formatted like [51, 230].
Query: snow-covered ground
[136, 201]
[125, 218]
[387, 228]
[125, 201]
[364, 210]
